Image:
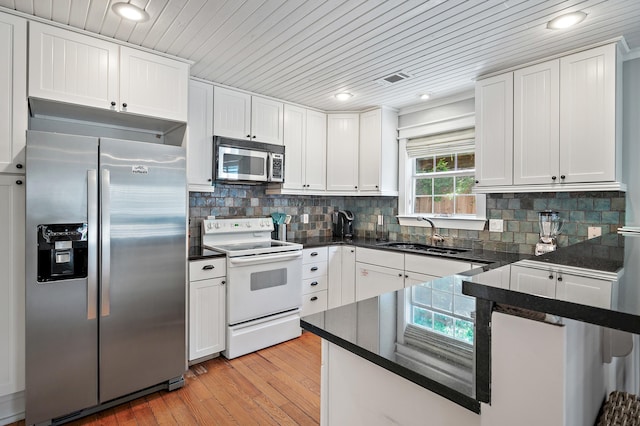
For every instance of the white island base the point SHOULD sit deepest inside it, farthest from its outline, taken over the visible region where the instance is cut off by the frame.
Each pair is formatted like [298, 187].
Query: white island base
[541, 374]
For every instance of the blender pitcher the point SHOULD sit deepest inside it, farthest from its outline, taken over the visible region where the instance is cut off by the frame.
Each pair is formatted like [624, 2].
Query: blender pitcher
[550, 226]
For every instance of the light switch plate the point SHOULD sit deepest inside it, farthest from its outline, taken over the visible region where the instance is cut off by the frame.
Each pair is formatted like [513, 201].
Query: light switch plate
[594, 231]
[496, 225]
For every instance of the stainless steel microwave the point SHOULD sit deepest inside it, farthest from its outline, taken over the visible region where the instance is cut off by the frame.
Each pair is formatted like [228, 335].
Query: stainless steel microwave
[247, 161]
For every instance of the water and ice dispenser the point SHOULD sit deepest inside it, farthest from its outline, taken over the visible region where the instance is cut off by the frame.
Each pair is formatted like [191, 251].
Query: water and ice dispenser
[62, 251]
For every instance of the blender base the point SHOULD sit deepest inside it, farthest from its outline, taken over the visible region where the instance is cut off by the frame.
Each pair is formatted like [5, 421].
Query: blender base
[542, 248]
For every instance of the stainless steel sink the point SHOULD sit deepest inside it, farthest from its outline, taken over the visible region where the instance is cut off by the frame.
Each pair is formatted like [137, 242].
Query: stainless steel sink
[423, 248]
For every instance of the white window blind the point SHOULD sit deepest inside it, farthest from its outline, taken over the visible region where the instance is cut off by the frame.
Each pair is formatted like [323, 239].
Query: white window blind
[442, 143]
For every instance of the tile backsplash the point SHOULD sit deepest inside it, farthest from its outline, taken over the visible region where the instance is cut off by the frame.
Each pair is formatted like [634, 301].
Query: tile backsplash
[579, 210]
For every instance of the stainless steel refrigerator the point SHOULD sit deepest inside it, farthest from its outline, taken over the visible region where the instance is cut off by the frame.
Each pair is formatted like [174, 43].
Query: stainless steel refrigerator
[105, 276]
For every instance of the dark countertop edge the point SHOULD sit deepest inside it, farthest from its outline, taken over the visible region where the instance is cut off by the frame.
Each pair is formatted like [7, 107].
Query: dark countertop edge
[464, 401]
[203, 256]
[590, 314]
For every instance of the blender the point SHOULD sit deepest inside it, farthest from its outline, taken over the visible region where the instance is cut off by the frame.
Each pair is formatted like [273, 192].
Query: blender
[550, 226]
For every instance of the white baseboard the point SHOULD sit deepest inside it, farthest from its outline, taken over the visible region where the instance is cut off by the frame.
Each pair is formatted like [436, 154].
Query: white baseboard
[11, 408]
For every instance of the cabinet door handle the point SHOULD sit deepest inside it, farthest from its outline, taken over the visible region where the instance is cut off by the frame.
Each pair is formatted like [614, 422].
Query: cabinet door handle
[18, 166]
[18, 182]
[562, 176]
[477, 181]
[356, 187]
[207, 267]
[254, 136]
[248, 136]
[406, 276]
[223, 282]
[209, 180]
[553, 178]
[550, 276]
[399, 275]
[314, 298]
[113, 103]
[315, 283]
[124, 105]
[313, 269]
[315, 253]
[559, 278]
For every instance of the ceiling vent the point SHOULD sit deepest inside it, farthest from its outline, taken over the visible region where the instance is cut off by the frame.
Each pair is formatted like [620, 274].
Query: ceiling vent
[394, 78]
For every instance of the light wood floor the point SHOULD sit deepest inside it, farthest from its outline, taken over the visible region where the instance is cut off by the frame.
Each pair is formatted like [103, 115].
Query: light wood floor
[279, 385]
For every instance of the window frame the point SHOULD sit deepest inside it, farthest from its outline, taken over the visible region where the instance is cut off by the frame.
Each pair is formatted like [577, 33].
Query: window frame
[406, 216]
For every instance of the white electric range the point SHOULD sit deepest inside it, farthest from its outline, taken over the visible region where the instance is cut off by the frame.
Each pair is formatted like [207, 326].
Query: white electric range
[264, 278]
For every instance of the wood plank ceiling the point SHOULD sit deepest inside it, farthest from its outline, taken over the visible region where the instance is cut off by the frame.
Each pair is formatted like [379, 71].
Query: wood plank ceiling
[305, 51]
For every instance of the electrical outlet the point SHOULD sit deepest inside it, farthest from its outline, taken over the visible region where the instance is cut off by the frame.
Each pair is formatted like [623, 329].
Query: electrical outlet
[594, 231]
[496, 225]
[380, 219]
[305, 218]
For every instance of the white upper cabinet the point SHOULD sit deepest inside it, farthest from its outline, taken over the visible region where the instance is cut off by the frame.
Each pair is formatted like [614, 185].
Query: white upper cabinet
[588, 116]
[494, 131]
[74, 68]
[239, 115]
[536, 128]
[13, 93]
[69, 67]
[295, 120]
[305, 141]
[563, 122]
[315, 157]
[378, 152]
[153, 85]
[267, 117]
[231, 113]
[200, 136]
[343, 131]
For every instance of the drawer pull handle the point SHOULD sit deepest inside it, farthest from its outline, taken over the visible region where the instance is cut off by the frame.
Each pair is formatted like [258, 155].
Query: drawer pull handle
[315, 283]
[207, 267]
[314, 298]
[313, 269]
[315, 253]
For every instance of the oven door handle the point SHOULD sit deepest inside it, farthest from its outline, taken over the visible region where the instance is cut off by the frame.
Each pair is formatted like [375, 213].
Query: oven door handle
[266, 258]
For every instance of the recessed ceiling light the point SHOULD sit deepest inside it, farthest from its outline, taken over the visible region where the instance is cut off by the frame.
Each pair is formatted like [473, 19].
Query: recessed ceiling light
[344, 96]
[130, 12]
[565, 21]
[425, 96]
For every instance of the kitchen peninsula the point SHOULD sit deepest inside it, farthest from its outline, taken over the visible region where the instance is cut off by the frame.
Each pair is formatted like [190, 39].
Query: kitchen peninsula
[557, 353]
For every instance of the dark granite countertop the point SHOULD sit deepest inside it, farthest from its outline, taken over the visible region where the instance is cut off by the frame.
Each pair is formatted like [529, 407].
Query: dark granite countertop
[198, 253]
[343, 325]
[611, 255]
[472, 255]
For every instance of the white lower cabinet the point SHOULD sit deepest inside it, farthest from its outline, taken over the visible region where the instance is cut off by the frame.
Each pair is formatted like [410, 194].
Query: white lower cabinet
[358, 392]
[592, 288]
[314, 280]
[378, 272]
[12, 321]
[206, 307]
[341, 276]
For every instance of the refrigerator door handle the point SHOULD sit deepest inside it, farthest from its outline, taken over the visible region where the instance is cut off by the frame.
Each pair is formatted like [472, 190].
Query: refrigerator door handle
[105, 266]
[92, 237]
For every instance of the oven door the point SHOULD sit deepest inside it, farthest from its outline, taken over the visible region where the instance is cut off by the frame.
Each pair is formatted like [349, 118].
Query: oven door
[263, 285]
[241, 164]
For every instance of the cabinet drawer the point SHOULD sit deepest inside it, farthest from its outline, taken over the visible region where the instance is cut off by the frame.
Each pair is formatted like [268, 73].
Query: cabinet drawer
[311, 285]
[207, 268]
[312, 255]
[384, 258]
[314, 302]
[432, 265]
[313, 270]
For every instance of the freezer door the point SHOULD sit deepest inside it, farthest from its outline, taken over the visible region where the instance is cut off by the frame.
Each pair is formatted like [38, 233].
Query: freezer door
[61, 324]
[143, 270]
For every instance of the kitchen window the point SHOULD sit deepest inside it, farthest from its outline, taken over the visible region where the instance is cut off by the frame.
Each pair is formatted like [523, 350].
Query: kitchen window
[440, 177]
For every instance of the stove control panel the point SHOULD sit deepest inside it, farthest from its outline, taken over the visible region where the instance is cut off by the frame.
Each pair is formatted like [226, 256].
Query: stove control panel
[237, 226]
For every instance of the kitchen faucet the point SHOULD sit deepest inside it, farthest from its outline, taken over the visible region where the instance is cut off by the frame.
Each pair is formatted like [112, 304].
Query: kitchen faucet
[435, 237]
